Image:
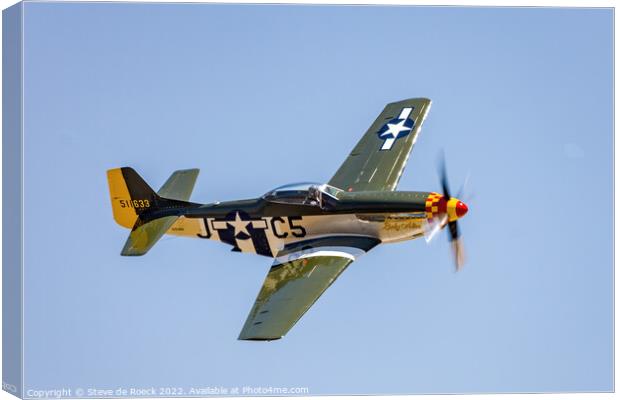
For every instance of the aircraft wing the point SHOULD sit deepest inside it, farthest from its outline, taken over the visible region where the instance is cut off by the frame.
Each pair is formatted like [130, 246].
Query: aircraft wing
[378, 159]
[301, 272]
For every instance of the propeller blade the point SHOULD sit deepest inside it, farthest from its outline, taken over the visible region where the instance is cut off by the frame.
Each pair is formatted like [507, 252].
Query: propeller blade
[443, 174]
[458, 251]
[456, 243]
[454, 230]
[459, 194]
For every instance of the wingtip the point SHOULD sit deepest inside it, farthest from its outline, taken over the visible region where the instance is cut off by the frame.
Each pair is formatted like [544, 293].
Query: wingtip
[419, 99]
[257, 338]
[189, 171]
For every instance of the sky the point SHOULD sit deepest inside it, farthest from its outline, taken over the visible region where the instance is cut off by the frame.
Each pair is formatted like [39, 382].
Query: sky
[257, 96]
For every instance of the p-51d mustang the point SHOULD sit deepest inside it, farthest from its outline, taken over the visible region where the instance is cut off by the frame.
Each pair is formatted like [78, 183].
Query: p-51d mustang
[314, 231]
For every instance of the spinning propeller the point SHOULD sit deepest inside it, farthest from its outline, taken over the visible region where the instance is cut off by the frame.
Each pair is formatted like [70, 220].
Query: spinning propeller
[453, 209]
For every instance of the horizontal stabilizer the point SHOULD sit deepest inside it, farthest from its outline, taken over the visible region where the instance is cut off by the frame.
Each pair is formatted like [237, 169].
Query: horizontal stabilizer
[144, 235]
[180, 184]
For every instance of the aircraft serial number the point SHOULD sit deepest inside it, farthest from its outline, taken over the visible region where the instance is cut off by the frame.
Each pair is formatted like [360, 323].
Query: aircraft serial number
[135, 203]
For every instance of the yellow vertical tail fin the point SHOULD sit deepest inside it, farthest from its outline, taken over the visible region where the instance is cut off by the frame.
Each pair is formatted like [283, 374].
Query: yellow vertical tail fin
[126, 207]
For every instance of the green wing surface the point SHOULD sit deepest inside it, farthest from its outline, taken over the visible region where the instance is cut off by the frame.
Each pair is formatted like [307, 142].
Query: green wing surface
[180, 185]
[378, 159]
[298, 277]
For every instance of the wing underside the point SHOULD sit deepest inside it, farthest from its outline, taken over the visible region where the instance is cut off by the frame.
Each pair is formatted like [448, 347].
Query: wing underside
[300, 274]
[379, 158]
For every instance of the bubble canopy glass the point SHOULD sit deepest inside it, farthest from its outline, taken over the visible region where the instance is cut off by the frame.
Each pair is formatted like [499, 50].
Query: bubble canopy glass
[300, 192]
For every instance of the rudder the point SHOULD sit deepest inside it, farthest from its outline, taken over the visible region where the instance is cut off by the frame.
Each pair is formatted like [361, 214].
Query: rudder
[130, 195]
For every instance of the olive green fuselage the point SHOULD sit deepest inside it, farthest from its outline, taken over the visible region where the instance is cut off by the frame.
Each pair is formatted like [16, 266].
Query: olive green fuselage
[357, 202]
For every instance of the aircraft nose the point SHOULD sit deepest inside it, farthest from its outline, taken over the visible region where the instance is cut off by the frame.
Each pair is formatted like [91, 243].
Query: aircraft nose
[461, 209]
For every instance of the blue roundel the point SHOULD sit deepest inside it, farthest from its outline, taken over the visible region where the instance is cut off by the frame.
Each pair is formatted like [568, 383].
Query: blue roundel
[395, 128]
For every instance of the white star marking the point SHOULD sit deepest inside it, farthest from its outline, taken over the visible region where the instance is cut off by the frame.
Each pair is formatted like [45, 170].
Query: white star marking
[239, 225]
[395, 129]
[391, 134]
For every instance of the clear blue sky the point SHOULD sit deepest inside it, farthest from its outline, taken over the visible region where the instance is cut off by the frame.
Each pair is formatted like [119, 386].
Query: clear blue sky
[258, 96]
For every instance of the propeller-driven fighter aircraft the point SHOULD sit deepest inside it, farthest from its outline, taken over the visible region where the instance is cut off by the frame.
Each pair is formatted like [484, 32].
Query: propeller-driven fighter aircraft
[312, 231]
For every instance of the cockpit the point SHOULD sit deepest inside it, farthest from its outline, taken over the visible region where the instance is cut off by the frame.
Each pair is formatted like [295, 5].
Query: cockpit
[306, 193]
